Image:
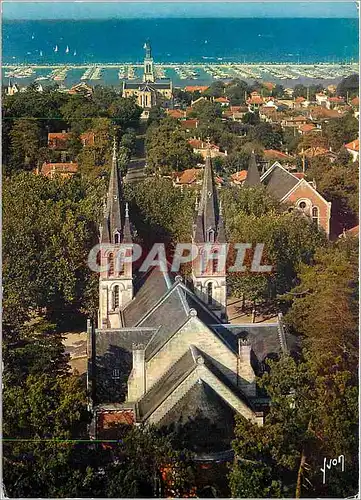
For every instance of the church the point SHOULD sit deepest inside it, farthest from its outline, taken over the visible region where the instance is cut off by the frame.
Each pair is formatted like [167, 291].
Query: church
[163, 351]
[150, 92]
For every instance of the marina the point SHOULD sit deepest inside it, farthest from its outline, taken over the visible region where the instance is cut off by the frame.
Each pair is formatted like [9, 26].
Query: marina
[181, 74]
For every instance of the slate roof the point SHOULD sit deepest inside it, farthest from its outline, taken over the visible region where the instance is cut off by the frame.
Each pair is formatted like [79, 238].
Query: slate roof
[166, 384]
[164, 84]
[267, 340]
[208, 216]
[105, 340]
[278, 181]
[151, 288]
[175, 376]
[113, 217]
[253, 177]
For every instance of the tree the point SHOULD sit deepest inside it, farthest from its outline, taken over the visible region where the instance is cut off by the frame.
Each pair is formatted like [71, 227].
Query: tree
[270, 136]
[341, 130]
[25, 142]
[44, 263]
[167, 148]
[206, 111]
[253, 216]
[156, 114]
[162, 212]
[236, 91]
[300, 90]
[125, 112]
[251, 118]
[348, 86]
[216, 89]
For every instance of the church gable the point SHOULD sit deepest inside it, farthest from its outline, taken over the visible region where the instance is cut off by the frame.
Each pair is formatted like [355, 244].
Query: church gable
[193, 332]
[190, 369]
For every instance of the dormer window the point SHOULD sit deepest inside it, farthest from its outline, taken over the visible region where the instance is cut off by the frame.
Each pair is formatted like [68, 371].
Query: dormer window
[117, 237]
[210, 235]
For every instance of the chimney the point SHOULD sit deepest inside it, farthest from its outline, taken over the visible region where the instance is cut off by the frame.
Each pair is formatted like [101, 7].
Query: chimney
[246, 375]
[136, 381]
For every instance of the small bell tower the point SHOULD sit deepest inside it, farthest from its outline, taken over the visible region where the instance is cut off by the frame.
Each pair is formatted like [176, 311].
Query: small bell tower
[116, 281]
[148, 75]
[209, 267]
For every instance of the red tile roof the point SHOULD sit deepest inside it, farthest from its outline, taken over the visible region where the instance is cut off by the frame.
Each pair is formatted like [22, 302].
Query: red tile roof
[199, 144]
[176, 113]
[239, 176]
[336, 99]
[274, 154]
[300, 99]
[308, 127]
[299, 175]
[355, 101]
[195, 88]
[353, 145]
[50, 169]
[187, 176]
[87, 138]
[255, 99]
[221, 99]
[315, 151]
[187, 124]
[58, 140]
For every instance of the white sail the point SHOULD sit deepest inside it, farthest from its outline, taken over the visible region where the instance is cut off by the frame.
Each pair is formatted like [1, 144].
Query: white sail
[41, 53]
[67, 49]
[56, 48]
[74, 53]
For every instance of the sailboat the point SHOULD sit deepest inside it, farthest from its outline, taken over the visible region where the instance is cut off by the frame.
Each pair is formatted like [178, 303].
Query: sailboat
[56, 48]
[74, 53]
[41, 53]
[67, 50]
[32, 36]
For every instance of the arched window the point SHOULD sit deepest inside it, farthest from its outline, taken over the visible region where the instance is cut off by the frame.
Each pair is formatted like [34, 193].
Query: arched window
[116, 237]
[116, 297]
[111, 264]
[215, 261]
[209, 293]
[315, 215]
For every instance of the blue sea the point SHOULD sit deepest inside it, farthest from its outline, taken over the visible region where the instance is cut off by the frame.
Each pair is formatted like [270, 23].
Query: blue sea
[180, 40]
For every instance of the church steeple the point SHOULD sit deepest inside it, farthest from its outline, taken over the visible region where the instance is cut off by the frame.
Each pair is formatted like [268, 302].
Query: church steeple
[253, 178]
[112, 225]
[148, 75]
[208, 216]
[209, 275]
[116, 277]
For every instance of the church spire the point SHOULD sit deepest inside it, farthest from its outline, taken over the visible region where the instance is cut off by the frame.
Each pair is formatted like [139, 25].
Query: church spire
[253, 178]
[206, 225]
[113, 214]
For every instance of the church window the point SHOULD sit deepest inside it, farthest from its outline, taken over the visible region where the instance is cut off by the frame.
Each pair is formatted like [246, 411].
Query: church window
[111, 264]
[116, 297]
[302, 205]
[315, 215]
[116, 237]
[209, 293]
[116, 373]
[215, 261]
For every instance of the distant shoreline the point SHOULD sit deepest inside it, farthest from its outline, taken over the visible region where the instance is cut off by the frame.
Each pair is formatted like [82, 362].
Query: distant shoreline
[173, 64]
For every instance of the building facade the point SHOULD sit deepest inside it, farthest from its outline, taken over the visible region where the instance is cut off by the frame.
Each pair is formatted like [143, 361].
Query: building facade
[149, 92]
[163, 351]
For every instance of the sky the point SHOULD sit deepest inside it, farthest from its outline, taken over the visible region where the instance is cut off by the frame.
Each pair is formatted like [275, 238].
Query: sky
[58, 9]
